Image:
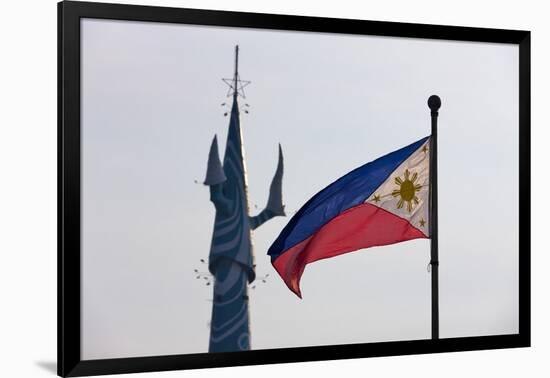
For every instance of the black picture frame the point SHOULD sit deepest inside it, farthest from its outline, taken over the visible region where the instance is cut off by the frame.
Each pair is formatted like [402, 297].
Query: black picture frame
[69, 312]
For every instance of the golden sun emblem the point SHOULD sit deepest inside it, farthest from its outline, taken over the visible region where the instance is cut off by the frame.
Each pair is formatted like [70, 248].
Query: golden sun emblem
[407, 190]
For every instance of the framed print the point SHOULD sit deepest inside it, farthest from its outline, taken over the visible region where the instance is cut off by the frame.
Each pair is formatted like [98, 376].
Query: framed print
[239, 188]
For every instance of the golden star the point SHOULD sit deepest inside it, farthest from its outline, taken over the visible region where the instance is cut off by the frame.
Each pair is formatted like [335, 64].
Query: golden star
[422, 222]
[376, 198]
[425, 148]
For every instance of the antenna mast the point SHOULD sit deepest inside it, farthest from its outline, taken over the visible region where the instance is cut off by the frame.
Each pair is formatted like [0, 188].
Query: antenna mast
[236, 85]
[236, 76]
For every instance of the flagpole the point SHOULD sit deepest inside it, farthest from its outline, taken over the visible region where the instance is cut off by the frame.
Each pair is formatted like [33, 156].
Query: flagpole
[434, 103]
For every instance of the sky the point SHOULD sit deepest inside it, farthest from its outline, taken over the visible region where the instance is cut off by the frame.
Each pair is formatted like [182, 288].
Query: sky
[151, 96]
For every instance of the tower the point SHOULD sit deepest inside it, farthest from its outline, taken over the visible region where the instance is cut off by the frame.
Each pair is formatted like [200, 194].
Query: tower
[231, 259]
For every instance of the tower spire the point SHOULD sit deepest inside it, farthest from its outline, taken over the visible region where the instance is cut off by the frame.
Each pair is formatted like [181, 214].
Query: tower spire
[231, 258]
[235, 84]
[236, 76]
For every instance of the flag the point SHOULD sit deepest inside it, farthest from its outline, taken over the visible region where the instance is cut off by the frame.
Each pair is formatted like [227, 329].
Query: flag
[382, 202]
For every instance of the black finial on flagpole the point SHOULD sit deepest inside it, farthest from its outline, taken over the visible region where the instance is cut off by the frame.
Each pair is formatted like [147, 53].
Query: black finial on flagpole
[434, 103]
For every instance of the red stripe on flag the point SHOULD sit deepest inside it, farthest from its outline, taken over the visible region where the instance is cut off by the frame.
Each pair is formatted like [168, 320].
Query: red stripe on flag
[360, 227]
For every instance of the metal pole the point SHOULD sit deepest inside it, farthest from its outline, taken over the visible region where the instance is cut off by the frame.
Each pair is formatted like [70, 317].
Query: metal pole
[434, 103]
[236, 75]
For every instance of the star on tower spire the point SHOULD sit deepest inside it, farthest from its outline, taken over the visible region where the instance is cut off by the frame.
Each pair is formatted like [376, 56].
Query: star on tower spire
[236, 85]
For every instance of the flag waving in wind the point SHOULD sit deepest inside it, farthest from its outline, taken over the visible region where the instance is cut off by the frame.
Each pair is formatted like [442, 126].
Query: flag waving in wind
[382, 202]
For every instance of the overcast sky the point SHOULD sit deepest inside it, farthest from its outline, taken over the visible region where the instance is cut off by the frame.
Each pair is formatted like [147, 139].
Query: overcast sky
[151, 96]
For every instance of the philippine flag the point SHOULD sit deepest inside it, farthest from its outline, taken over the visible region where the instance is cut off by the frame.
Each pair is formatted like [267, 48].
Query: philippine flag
[382, 202]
